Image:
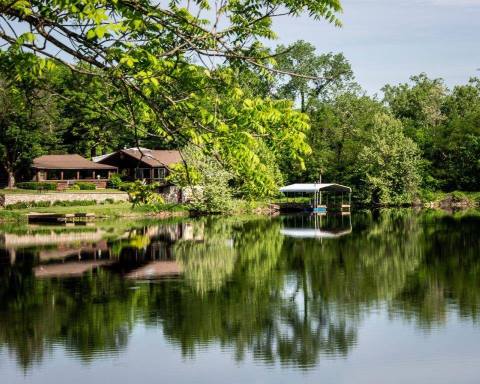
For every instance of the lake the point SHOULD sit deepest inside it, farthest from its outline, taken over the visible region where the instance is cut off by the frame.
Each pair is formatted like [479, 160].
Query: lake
[389, 296]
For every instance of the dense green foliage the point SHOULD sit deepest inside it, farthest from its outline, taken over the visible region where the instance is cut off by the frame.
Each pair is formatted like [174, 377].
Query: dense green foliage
[445, 124]
[26, 116]
[182, 75]
[389, 164]
[419, 137]
[139, 192]
[136, 66]
[208, 180]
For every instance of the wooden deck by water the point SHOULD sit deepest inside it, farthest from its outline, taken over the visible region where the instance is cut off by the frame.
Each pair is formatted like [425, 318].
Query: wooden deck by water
[59, 217]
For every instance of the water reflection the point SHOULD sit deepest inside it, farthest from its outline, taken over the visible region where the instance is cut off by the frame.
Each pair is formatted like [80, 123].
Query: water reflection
[318, 226]
[252, 286]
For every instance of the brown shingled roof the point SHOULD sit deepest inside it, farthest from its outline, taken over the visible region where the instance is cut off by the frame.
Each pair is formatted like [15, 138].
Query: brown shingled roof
[152, 157]
[67, 162]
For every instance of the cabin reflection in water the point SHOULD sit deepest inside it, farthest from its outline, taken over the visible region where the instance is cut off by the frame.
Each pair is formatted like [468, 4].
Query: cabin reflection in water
[316, 226]
[68, 251]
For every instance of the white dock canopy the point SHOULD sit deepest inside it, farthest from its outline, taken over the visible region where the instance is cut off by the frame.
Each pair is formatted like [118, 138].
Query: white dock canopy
[314, 188]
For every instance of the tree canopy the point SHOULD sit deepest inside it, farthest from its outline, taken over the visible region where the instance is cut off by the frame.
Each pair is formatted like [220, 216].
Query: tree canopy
[169, 67]
[197, 74]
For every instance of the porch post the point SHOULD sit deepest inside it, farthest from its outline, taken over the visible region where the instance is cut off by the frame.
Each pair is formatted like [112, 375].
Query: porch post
[93, 175]
[78, 175]
[61, 175]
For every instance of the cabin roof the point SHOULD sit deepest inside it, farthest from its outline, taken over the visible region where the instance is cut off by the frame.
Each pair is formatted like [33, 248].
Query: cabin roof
[315, 187]
[151, 157]
[67, 162]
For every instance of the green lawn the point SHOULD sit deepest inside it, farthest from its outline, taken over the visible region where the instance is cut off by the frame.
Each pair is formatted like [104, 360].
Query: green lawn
[111, 211]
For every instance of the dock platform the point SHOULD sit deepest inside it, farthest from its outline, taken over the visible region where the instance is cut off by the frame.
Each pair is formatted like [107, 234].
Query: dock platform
[59, 217]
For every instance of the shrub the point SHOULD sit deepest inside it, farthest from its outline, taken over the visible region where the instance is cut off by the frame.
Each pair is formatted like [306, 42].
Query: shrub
[108, 201]
[74, 203]
[85, 186]
[212, 191]
[74, 187]
[29, 204]
[21, 205]
[458, 197]
[428, 196]
[126, 186]
[115, 181]
[38, 186]
[44, 204]
[140, 192]
[164, 207]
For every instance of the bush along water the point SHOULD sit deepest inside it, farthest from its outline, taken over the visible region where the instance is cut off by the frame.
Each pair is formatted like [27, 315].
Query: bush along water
[141, 193]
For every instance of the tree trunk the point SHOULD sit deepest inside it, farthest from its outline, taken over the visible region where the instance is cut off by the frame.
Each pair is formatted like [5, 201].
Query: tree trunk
[302, 102]
[11, 178]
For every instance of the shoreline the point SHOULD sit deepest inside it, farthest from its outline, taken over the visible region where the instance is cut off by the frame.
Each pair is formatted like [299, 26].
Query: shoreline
[441, 201]
[16, 216]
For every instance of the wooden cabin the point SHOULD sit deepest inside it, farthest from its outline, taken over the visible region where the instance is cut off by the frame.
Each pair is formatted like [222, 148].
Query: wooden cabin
[66, 170]
[142, 163]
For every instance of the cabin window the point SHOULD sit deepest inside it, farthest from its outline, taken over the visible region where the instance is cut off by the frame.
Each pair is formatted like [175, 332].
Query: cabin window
[142, 173]
[159, 173]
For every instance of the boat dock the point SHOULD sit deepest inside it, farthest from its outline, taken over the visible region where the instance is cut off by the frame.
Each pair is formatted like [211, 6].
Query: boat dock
[60, 217]
[325, 198]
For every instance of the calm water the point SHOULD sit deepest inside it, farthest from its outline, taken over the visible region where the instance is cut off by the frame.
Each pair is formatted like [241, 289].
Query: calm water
[383, 297]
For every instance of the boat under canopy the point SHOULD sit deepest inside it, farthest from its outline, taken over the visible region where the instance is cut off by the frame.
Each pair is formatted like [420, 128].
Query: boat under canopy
[315, 187]
[318, 203]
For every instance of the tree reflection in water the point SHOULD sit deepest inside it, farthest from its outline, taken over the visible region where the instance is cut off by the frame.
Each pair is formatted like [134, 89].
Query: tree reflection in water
[248, 288]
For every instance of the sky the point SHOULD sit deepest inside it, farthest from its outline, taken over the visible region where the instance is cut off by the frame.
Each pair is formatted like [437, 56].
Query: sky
[387, 41]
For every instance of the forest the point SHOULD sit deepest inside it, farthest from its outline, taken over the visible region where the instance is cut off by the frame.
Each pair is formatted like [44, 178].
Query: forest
[249, 118]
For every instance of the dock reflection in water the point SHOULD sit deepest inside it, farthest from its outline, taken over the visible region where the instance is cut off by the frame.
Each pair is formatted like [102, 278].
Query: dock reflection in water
[294, 298]
[317, 226]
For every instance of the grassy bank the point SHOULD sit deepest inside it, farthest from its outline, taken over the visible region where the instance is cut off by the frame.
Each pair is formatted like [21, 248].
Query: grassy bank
[125, 209]
[110, 211]
[449, 199]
